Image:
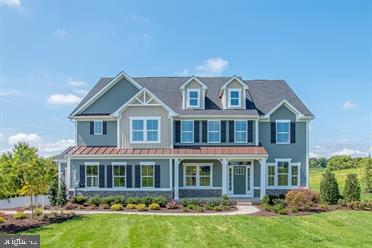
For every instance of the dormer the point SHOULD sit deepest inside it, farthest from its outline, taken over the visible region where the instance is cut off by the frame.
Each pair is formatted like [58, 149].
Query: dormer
[193, 93]
[233, 94]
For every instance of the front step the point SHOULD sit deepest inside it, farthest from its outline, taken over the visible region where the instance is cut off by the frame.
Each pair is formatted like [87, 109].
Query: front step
[244, 203]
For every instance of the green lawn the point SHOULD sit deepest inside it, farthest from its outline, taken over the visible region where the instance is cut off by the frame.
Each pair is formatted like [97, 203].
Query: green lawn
[315, 176]
[332, 229]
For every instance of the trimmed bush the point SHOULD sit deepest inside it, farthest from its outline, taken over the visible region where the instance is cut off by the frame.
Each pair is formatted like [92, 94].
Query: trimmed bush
[154, 206]
[95, 200]
[218, 208]
[299, 198]
[117, 207]
[134, 200]
[19, 215]
[80, 199]
[69, 206]
[265, 200]
[172, 205]
[161, 200]
[368, 175]
[105, 206]
[147, 200]
[38, 211]
[352, 188]
[2, 220]
[329, 192]
[131, 206]
[141, 207]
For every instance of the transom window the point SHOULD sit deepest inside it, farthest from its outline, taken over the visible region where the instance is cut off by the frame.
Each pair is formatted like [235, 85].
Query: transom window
[193, 98]
[187, 131]
[234, 95]
[145, 130]
[119, 176]
[282, 131]
[98, 127]
[214, 131]
[283, 174]
[91, 176]
[147, 176]
[240, 131]
[197, 175]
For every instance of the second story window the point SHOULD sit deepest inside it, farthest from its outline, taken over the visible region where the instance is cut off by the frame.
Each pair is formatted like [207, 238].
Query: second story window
[193, 98]
[282, 132]
[234, 98]
[214, 131]
[240, 132]
[98, 127]
[187, 131]
[145, 130]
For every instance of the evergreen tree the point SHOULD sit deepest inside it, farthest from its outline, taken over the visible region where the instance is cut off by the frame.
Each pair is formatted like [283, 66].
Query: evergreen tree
[329, 192]
[352, 188]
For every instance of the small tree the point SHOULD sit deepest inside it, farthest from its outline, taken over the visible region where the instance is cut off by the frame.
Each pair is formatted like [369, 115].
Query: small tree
[62, 196]
[329, 192]
[53, 192]
[352, 188]
[368, 175]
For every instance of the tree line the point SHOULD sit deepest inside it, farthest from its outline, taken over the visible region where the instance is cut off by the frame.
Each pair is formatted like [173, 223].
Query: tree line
[339, 162]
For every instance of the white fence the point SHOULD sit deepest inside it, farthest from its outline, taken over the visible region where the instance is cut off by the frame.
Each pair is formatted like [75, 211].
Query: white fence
[19, 202]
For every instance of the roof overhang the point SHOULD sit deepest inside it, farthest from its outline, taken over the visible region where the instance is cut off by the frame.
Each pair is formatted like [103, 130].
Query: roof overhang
[288, 105]
[224, 86]
[183, 86]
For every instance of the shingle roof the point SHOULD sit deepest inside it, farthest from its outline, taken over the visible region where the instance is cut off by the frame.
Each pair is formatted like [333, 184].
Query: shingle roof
[263, 95]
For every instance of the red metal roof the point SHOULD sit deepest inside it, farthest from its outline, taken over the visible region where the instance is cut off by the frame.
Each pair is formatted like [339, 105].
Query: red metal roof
[109, 150]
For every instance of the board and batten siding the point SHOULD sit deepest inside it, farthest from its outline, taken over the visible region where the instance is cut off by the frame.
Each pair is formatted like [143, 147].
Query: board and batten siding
[148, 111]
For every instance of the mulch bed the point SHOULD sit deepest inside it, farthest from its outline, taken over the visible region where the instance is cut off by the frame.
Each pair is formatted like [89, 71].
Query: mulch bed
[313, 210]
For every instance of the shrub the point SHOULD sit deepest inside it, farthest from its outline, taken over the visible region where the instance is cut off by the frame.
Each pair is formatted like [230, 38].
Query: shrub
[44, 217]
[279, 206]
[195, 202]
[19, 215]
[95, 200]
[172, 205]
[329, 192]
[192, 206]
[69, 206]
[141, 207]
[199, 209]
[299, 198]
[368, 175]
[105, 206]
[154, 206]
[80, 199]
[352, 188]
[341, 162]
[131, 206]
[218, 208]
[265, 200]
[134, 200]
[62, 196]
[161, 200]
[147, 200]
[267, 207]
[53, 191]
[117, 207]
[38, 211]
[2, 220]
[109, 200]
[293, 210]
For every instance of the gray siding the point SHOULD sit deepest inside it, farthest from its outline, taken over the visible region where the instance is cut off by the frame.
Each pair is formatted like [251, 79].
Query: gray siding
[113, 99]
[84, 138]
[217, 171]
[194, 85]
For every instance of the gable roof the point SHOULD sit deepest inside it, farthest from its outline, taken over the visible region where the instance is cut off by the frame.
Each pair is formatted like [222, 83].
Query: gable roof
[193, 78]
[262, 95]
[224, 86]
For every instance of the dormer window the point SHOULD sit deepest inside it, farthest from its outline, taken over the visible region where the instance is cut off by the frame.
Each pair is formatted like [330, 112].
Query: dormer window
[193, 98]
[234, 98]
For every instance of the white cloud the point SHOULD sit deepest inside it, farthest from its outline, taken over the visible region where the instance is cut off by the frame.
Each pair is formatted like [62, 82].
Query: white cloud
[350, 152]
[1, 137]
[31, 138]
[349, 105]
[11, 3]
[61, 99]
[77, 83]
[55, 148]
[11, 92]
[80, 92]
[209, 68]
[340, 147]
[60, 33]
[136, 18]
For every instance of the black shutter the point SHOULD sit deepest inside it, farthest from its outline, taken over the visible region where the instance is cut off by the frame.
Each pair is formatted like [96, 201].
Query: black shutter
[293, 132]
[196, 132]
[223, 131]
[91, 128]
[204, 131]
[137, 176]
[109, 176]
[104, 127]
[157, 176]
[101, 176]
[82, 176]
[231, 132]
[273, 132]
[129, 176]
[250, 131]
[178, 131]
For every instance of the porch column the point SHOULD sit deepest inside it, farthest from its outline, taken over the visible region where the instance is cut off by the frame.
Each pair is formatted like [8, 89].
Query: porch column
[263, 178]
[224, 176]
[176, 179]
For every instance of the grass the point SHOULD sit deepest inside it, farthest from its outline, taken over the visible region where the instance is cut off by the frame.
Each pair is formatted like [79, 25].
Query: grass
[332, 229]
[316, 173]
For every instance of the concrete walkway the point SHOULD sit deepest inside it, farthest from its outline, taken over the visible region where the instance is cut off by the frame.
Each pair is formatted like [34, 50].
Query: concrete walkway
[242, 210]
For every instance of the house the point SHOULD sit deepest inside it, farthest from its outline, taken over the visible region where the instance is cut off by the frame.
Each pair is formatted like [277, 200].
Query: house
[188, 137]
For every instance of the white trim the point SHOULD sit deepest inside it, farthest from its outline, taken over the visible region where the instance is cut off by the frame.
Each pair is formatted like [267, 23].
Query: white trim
[219, 136]
[251, 185]
[188, 98]
[170, 173]
[94, 127]
[224, 86]
[91, 163]
[93, 117]
[123, 189]
[257, 141]
[225, 117]
[289, 132]
[86, 164]
[225, 178]
[124, 164]
[183, 86]
[307, 155]
[246, 132]
[175, 156]
[118, 130]
[198, 165]
[176, 178]
[145, 119]
[192, 132]
[290, 164]
[229, 98]
[76, 132]
[115, 80]
[153, 174]
[289, 106]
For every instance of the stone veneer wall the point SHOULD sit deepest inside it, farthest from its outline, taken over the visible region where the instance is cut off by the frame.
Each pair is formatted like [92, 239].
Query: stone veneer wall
[277, 192]
[200, 193]
[167, 194]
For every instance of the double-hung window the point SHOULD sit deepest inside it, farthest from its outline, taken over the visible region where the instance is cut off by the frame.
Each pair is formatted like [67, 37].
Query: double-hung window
[214, 131]
[234, 98]
[98, 127]
[187, 131]
[193, 98]
[295, 174]
[283, 131]
[240, 131]
[119, 176]
[145, 130]
[147, 175]
[271, 175]
[283, 174]
[283, 170]
[91, 176]
[197, 175]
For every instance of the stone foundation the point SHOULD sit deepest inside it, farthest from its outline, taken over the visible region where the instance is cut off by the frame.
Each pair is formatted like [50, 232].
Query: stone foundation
[200, 192]
[277, 192]
[167, 194]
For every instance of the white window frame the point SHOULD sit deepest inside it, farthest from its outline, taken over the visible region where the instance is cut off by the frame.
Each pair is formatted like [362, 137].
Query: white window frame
[124, 164]
[290, 165]
[96, 164]
[289, 132]
[246, 131]
[144, 119]
[94, 128]
[198, 165]
[192, 132]
[239, 98]
[153, 174]
[219, 132]
[188, 91]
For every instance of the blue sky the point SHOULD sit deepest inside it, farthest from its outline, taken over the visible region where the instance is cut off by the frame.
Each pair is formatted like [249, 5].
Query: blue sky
[52, 52]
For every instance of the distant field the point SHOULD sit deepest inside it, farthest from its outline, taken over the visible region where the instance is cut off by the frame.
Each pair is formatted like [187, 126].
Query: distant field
[315, 176]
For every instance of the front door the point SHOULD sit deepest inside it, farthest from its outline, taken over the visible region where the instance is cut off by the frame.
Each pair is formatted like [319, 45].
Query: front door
[239, 180]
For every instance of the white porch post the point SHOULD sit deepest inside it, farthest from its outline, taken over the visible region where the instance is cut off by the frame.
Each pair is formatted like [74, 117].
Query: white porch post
[176, 178]
[224, 176]
[263, 178]
[59, 175]
[68, 174]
